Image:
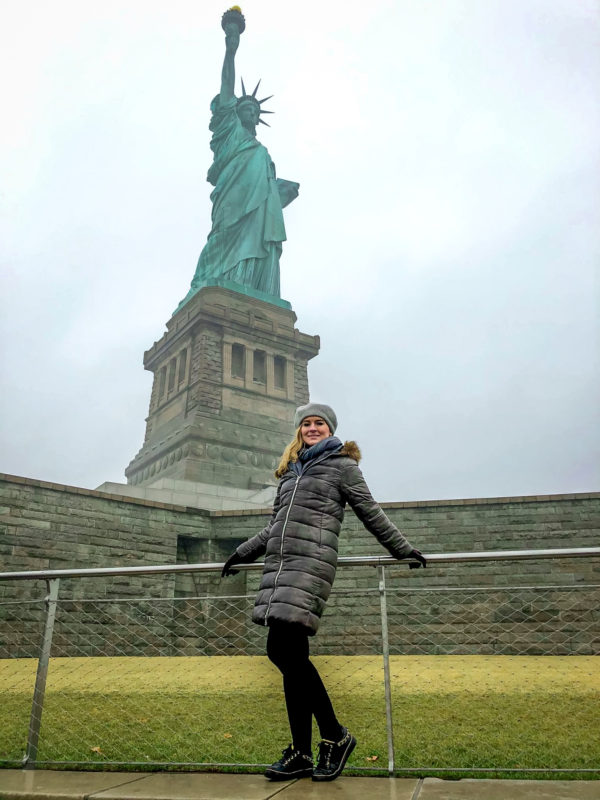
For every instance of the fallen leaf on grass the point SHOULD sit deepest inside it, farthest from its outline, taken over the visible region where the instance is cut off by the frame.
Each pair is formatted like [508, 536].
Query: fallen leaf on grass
[144, 719]
[228, 735]
[372, 758]
[97, 750]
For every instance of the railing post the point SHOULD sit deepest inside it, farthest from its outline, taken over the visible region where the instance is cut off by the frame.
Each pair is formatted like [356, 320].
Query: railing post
[386, 669]
[37, 705]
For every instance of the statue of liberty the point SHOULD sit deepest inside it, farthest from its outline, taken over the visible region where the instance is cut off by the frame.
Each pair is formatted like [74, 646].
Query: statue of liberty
[244, 245]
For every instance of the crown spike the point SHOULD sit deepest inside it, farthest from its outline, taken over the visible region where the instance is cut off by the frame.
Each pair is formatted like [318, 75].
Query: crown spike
[264, 111]
[243, 87]
[264, 100]
[256, 88]
[262, 122]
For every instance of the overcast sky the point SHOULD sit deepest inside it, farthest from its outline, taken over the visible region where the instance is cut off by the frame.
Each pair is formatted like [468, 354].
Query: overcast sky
[445, 244]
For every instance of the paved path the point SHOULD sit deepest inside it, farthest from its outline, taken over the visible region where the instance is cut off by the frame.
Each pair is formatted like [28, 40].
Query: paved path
[55, 785]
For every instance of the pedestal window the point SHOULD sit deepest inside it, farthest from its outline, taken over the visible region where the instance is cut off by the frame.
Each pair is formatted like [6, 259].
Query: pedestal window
[279, 372]
[172, 370]
[238, 361]
[259, 372]
[182, 367]
[162, 383]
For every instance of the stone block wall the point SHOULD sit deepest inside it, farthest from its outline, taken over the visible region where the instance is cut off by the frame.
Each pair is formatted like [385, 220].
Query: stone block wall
[456, 608]
[51, 526]
[483, 607]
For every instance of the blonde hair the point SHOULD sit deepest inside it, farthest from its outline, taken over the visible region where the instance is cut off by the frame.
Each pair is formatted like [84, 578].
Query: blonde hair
[290, 454]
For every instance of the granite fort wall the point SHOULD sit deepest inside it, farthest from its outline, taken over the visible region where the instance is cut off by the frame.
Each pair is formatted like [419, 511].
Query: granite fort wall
[51, 526]
[448, 608]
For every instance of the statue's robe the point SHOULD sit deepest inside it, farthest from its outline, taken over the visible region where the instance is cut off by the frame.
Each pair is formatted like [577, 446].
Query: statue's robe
[244, 244]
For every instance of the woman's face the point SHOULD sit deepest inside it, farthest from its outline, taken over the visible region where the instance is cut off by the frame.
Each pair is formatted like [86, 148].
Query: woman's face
[313, 429]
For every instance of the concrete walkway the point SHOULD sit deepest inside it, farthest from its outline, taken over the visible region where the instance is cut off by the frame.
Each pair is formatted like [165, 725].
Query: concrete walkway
[55, 785]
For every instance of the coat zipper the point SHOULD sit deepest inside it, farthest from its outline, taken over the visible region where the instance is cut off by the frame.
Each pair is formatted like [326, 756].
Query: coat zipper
[287, 516]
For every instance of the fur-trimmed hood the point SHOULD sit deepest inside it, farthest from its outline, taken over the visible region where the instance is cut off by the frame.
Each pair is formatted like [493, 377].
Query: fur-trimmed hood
[352, 450]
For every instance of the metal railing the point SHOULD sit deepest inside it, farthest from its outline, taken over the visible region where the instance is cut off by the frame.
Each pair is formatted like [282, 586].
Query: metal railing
[92, 649]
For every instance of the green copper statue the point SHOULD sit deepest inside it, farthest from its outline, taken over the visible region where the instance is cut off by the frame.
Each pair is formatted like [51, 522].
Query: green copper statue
[243, 248]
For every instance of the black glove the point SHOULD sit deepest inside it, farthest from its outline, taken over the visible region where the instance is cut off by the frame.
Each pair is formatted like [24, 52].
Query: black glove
[233, 559]
[418, 556]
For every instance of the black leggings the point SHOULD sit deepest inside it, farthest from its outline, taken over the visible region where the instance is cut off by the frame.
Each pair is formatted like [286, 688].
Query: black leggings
[305, 695]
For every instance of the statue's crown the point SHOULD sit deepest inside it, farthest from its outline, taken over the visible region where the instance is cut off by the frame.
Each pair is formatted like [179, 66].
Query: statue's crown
[251, 98]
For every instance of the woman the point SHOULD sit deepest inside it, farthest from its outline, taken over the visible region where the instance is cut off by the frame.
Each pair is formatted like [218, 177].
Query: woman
[317, 475]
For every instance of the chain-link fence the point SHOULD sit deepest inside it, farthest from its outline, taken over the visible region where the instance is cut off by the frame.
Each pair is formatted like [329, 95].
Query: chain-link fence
[496, 677]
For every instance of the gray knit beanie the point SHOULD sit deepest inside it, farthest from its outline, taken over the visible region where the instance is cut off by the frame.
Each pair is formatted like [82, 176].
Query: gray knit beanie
[316, 410]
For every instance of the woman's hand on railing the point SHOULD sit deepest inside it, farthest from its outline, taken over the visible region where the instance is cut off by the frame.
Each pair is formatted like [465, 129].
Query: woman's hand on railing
[417, 555]
[233, 559]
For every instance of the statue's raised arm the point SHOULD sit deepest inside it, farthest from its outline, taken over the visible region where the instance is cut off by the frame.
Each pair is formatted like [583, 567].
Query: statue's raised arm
[244, 245]
[232, 42]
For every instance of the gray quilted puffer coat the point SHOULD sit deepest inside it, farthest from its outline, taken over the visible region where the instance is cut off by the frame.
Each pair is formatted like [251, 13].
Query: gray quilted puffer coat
[301, 538]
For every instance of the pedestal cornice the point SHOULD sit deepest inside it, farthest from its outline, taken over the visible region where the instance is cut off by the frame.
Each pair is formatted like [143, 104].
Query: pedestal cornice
[238, 313]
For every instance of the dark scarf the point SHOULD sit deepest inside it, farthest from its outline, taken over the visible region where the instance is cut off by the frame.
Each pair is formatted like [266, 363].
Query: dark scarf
[309, 454]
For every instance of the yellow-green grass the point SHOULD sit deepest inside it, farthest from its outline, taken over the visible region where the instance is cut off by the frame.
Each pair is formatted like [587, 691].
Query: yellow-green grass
[502, 712]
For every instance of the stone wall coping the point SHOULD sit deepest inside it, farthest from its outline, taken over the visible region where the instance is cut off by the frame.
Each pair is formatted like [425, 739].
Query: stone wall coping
[472, 501]
[61, 487]
[469, 501]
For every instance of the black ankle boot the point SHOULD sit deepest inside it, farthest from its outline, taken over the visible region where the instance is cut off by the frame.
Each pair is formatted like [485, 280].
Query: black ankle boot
[292, 764]
[333, 756]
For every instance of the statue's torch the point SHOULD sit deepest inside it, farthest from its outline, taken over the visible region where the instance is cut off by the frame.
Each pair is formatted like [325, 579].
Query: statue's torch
[233, 16]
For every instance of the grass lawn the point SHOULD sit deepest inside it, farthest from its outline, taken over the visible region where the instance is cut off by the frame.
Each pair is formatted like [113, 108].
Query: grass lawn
[504, 712]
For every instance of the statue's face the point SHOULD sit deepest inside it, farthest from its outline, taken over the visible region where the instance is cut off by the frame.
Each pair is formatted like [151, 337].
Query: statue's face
[248, 114]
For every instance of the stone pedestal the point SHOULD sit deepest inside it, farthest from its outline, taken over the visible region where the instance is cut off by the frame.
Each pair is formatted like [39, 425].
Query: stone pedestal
[228, 375]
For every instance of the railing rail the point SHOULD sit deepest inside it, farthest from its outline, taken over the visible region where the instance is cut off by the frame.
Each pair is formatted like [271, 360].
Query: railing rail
[346, 561]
